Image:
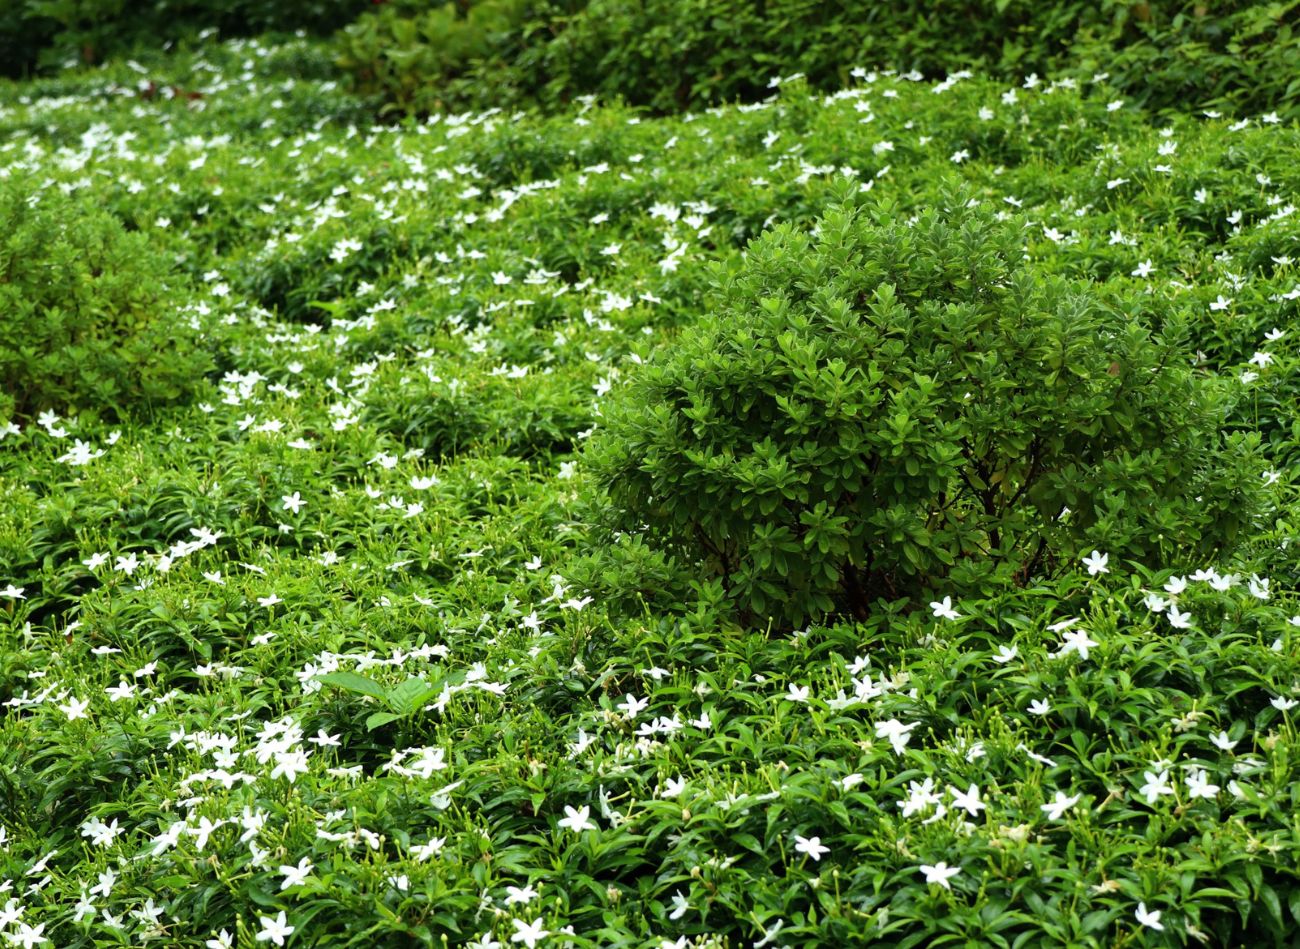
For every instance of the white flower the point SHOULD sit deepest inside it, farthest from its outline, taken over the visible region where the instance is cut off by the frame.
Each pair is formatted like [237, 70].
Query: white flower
[520, 894]
[1149, 918]
[1076, 641]
[529, 933]
[578, 819]
[1059, 806]
[1039, 707]
[75, 708]
[680, 906]
[969, 801]
[797, 693]
[27, 936]
[1157, 784]
[1199, 786]
[1282, 704]
[897, 733]
[293, 502]
[1005, 654]
[1096, 563]
[1155, 602]
[943, 608]
[940, 873]
[296, 876]
[812, 846]
[1222, 741]
[1178, 619]
[274, 930]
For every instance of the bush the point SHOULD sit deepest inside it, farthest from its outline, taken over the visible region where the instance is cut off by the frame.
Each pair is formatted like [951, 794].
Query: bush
[427, 60]
[891, 408]
[85, 313]
[673, 55]
[36, 31]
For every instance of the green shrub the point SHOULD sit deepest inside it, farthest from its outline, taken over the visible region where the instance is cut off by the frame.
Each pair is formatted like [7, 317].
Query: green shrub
[888, 407]
[36, 31]
[85, 312]
[673, 55]
[427, 60]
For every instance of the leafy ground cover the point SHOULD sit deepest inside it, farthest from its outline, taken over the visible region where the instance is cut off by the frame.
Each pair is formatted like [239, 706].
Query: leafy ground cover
[330, 654]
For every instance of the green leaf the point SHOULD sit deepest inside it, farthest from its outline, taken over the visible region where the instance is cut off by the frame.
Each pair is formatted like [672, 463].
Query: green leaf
[380, 719]
[411, 695]
[352, 682]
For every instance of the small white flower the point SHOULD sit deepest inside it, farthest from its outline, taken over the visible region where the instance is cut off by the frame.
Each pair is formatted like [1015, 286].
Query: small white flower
[812, 846]
[578, 819]
[1149, 918]
[1096, 563]
[274, 930]
[1005, 654]
[1222, 741]
[529, 933]
[1059, 806]
[940, 873]
[943, 608]
[797, 693]
[1157, 784]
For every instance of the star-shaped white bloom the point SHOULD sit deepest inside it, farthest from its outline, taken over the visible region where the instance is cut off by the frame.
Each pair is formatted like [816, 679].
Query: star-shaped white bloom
[1222, 741]
[577, 820]
[940, 873]
[529, 933]
[1005, 654]
[75, 709]
[1076, 641]
[1199, 786]
[943, 608]
[27, 936]
[1096, 563]
[812, 846]
[1059, 806]
[1157, 784]
[897, 733]
[274, 930]
[1149, 918]
[969, 801]
[296, 876]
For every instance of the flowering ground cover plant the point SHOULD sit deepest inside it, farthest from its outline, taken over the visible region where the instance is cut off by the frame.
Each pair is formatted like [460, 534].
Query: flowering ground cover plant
[332, 648]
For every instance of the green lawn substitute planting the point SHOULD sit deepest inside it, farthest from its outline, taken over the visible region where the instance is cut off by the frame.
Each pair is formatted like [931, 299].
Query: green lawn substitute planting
[321, 657]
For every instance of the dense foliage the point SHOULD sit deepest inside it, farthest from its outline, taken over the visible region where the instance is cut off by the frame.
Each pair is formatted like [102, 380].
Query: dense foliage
[85, 313]
[318, 656]
[673, 55]
[48, 32]
[894, 406]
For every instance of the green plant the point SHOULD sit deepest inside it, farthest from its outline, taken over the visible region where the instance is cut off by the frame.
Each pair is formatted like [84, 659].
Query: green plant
[889, 406]
[86, 311]
[423, 60]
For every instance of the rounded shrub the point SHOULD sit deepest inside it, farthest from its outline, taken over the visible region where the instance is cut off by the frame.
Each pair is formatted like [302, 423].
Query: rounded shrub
[889, 408]
[86, 317]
